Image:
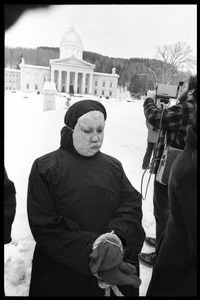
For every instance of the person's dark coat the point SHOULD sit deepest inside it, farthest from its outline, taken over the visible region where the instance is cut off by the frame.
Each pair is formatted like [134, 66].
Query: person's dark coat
[9, 207]
[175, 270]
[72, 200]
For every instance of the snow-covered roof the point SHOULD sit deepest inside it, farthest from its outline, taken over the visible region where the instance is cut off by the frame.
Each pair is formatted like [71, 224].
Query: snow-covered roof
[105, 74]
[12, 70]
[34, 66]
[49, 86]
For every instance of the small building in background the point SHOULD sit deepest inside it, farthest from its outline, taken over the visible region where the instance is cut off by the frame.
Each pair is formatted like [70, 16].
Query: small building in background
[12, 79]
[49, 96]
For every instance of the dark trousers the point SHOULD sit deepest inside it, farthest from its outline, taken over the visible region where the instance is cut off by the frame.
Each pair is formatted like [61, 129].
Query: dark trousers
[161, 208]
[148, 153]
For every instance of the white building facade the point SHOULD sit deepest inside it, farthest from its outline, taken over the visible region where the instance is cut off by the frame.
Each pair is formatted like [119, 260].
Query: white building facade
[70, 73]
[12, 79]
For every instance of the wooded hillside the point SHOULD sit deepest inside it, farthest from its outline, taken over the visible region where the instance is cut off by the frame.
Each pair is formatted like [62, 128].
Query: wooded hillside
[132, 71]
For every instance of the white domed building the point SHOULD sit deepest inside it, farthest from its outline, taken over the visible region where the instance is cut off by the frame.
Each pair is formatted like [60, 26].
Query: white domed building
[70, 73]
[71, 45]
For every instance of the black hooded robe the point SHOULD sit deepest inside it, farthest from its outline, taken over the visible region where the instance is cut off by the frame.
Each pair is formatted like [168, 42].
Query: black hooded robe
[72, 200]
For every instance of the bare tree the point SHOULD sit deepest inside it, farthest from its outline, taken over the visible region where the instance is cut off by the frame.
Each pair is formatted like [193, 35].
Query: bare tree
[151, 74]
[173, 59]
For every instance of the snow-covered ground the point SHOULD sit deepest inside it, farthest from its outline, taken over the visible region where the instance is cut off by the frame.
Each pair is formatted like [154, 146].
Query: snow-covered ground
[29, 133]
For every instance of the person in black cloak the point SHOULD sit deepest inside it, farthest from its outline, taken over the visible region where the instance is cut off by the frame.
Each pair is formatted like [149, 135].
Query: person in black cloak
[175, 270]
[84, 214]
[9, 208]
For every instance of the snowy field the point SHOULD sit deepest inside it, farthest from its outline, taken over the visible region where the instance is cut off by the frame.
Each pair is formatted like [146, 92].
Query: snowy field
[29, 133]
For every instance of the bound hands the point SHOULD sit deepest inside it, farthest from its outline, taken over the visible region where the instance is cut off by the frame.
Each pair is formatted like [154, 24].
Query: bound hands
[107, 262]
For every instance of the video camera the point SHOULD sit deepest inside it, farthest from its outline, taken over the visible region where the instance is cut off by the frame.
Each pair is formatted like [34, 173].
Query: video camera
[165, 92]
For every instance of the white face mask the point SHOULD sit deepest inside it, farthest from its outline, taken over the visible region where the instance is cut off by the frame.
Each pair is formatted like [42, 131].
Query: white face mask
[88, 133]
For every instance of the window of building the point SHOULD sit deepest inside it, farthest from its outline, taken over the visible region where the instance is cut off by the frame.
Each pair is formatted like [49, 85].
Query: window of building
[102, 93]
[95, 92]
[36, 86]
[104, 84]
[95, 83]
[110, 93]
[111, 84]
[27, 86]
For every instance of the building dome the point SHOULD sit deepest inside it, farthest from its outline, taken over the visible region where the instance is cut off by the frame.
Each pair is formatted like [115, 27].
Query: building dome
[71, 44]
[71, 36]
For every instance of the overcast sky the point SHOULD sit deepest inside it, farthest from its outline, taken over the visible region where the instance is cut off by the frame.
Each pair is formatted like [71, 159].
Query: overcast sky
[124, 31]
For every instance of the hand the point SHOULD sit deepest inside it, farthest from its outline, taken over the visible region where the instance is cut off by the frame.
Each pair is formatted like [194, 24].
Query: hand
[106, 256]
[151, 94]
[124, 274]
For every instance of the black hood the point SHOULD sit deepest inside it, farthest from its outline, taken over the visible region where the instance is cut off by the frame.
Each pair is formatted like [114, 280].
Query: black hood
[71, 117]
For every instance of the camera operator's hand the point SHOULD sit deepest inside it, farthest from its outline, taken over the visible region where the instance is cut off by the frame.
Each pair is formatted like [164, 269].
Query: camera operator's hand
[151, 94]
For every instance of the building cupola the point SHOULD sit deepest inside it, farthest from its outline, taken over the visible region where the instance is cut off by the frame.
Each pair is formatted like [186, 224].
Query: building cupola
[71, 45]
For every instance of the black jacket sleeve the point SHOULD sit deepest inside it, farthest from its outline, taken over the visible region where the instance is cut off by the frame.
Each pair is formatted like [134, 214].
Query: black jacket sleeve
[9, 207]
[126, 222]
[58, 236]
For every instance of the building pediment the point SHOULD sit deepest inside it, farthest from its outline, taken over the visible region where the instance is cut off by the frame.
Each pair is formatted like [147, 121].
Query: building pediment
[71, 61]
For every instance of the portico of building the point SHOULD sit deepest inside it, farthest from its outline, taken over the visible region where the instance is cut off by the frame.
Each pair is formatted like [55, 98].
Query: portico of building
[72, 75]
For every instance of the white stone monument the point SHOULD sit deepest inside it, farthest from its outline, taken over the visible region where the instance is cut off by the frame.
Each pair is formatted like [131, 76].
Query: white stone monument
[49, 94]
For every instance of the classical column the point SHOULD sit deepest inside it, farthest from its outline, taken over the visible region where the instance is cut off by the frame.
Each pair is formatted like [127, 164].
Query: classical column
[52, 74]
[67, 81]
[90, 84]
[59, 81]
[83, 84]
[75, 82]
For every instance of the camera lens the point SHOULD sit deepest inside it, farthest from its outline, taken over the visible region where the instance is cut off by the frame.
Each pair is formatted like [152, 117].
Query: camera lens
[164, 100]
